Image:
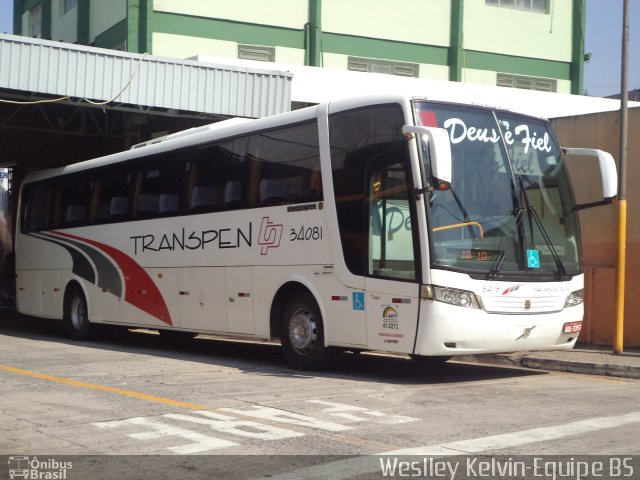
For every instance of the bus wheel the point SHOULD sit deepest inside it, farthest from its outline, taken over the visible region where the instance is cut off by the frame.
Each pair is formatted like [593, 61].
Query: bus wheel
[76, 316]
[302, 335]
[430, 362]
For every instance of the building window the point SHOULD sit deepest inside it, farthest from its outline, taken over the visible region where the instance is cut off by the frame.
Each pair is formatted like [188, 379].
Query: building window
[537, 6]
[374, 65]
[35, 21]
[257, 52]
[68, 5]
[527, 83]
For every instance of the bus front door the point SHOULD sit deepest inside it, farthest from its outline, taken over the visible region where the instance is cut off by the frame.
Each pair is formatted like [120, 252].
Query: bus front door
[391, 284]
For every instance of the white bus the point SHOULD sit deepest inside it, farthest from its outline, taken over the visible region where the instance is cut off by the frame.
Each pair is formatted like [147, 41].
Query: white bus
[384, 223]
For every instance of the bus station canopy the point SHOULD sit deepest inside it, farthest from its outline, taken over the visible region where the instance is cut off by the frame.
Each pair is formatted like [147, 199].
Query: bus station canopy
[45, 68]
[62, 103]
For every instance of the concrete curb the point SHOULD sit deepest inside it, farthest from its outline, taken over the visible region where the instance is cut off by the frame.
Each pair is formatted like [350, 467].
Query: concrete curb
[608, 369]
[588, 368]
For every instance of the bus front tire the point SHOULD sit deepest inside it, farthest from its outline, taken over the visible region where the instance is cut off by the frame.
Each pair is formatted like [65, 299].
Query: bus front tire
[76, 316]
[302, 334]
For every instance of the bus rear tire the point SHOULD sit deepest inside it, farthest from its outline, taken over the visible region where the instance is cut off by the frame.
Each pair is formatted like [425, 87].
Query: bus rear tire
[302, 334]
[76, 316]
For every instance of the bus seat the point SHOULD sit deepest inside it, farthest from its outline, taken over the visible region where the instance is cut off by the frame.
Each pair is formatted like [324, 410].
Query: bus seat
[148, 203]
[75, 213]
[233, 193]
[273, 190]
[302, 190]
[169, 203]
[118, 207]
[205, 197]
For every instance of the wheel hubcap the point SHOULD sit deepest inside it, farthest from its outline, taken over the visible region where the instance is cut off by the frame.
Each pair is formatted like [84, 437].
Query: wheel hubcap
[303, 331]
[78, 313]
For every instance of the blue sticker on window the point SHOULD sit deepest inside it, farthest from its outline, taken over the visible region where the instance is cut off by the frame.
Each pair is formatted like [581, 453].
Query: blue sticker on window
[533, 258]
[358, 300]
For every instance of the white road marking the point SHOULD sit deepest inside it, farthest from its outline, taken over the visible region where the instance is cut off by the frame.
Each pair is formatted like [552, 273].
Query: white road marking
[282, 416]
[344, 469]
[227, 425]
[343, 410]
[201, 443]
[525, 437]
[233, 426]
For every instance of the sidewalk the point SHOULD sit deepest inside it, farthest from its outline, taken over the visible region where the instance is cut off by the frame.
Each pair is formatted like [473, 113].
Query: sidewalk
[587, 359]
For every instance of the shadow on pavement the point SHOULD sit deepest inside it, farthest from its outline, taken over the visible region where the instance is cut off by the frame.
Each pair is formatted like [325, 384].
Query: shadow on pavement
[256, 357]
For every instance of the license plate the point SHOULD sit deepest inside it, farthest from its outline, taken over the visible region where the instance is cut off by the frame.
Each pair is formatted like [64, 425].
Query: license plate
[572, 327]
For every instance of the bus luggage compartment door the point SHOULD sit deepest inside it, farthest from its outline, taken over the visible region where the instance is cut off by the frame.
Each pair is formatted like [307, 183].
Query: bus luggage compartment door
[239, 299]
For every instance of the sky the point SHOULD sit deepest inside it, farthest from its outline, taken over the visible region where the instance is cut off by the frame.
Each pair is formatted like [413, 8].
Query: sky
[603, 39]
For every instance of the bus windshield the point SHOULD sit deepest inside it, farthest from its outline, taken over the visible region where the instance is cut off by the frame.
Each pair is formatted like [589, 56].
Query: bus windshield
[509, 210]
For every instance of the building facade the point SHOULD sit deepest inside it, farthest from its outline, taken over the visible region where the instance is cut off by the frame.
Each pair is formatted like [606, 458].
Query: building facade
[533, 44]
[599, 226]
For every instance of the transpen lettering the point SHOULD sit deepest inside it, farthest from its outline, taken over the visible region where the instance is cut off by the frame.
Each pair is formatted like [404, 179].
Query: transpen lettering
[194, 240]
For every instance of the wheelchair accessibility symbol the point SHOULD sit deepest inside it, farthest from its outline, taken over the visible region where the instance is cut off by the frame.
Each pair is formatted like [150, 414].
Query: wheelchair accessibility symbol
[533, 259]
[358, 300]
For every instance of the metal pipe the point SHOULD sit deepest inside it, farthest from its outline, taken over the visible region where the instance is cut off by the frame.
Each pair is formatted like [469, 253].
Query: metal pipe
[618, 339]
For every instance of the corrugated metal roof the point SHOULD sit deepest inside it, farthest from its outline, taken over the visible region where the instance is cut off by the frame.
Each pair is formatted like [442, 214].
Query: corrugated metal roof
[60, 69]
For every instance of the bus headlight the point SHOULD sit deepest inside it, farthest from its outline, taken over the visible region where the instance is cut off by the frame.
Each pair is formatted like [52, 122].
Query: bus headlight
[453, 296]
[574, 298]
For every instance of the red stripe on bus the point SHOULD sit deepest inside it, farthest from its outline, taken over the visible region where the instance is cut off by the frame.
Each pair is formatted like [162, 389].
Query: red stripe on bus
[136, 281]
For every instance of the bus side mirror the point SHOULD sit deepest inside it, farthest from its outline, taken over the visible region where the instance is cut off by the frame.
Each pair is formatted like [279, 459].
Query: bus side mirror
[607, 168]
[439, 149]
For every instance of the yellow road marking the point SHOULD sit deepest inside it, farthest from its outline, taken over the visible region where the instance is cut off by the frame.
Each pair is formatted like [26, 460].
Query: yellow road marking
[102, 388]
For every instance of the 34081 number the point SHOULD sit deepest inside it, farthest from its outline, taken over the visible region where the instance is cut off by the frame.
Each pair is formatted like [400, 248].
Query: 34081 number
[305, 233]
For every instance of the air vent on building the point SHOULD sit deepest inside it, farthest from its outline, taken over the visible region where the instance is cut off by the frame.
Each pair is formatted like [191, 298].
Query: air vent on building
[375, 65]
[257, 52]
[537, 6]
[527, 83]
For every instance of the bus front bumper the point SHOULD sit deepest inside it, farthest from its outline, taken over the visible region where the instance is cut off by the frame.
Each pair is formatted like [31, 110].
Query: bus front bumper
[449, 330]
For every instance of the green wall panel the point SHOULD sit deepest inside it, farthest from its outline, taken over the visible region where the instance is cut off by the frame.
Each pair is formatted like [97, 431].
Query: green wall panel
[113, 37]
[241, 32]
[18, 10]
[227, 30]
[517, 65]
[29, 4]
[387, 49]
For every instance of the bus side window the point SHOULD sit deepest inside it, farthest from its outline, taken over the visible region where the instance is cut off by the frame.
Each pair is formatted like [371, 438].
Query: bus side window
[113, 187]
[36, 209]
[72, 201]
[215, 177]
[274, 190]
[158, 187]
[283, 163]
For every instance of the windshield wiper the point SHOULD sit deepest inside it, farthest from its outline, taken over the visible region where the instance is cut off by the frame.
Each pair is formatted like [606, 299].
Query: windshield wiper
[561, 272]
[497, 265]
